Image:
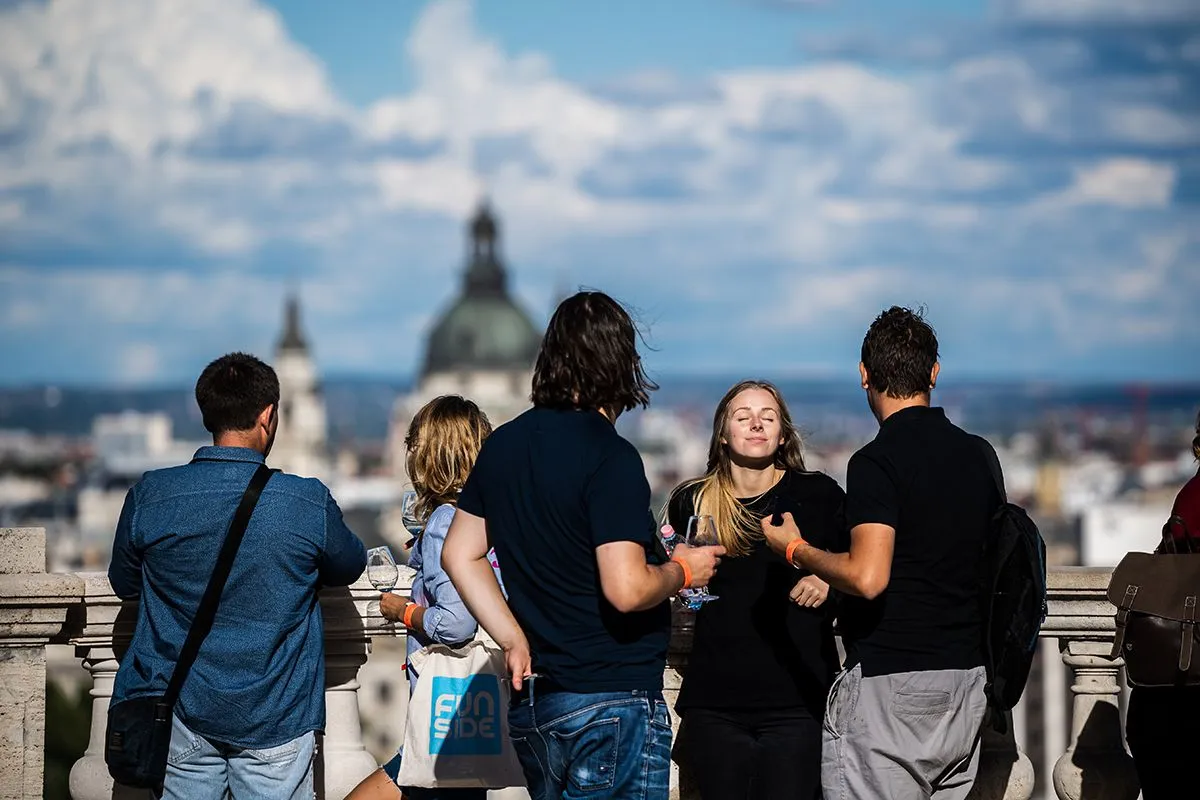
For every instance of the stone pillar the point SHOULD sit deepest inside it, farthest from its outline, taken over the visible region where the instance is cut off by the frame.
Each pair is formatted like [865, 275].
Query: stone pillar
[1095, 766]
[100, 638]
[33, 611]
[1005, 772]
[683, 624]
[343, 759]
[89, 776]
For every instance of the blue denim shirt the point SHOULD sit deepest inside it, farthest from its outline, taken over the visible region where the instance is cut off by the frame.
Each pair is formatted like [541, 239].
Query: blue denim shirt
[259, 678]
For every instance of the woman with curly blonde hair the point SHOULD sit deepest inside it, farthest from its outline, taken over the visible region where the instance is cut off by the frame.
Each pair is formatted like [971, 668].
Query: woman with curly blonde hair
[443, 441]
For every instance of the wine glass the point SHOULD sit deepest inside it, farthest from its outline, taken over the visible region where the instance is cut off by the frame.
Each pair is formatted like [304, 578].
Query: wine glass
[381, 572]
[408, 515]
[701, 532]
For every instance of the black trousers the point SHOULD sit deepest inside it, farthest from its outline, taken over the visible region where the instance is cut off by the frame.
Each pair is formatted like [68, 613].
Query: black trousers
[1162, 727]
[752, 754]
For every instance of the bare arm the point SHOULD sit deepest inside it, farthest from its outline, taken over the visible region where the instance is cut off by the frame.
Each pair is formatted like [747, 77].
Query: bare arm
[630, 584]
[865, 571]
[464, 557]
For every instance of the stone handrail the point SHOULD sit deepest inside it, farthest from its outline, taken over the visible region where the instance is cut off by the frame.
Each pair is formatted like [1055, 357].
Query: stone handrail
[37, 609]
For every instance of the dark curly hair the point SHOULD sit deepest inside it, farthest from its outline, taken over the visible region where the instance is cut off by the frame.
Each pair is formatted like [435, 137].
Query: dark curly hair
[589, 358]
[899, 352]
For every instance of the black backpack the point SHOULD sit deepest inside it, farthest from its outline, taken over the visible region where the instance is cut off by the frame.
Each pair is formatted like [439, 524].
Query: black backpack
[1013, 598]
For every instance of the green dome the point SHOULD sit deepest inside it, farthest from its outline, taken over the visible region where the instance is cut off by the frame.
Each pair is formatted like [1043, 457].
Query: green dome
[482, 333]
[484, 329]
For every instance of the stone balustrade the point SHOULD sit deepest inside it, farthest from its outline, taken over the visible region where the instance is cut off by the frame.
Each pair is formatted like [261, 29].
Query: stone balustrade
[37, 609]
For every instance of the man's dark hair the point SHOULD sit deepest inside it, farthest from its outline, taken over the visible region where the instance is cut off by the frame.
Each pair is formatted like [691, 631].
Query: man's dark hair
[899, 352]
[233, 390]
[589, 358]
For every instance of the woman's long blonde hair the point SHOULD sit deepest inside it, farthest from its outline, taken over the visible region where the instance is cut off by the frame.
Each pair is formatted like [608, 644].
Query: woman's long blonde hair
[737, 528]
[443, 441]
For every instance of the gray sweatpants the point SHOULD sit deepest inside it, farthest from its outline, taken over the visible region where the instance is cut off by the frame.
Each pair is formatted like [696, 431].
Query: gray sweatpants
[907, 736]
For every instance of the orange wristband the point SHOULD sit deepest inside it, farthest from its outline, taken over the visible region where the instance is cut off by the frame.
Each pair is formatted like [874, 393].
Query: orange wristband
[409, 610]
[687, 572]
[791, 549]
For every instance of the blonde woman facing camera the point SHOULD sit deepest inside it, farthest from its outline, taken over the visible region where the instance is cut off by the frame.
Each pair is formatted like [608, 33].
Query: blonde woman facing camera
[442, 443]
[763, 657]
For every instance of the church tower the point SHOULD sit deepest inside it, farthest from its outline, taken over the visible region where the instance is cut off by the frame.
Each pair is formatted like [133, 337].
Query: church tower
[300, 444]
[482, 347]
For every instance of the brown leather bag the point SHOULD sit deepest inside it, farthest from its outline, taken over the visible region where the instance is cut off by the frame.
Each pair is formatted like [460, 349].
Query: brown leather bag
[1158, 628]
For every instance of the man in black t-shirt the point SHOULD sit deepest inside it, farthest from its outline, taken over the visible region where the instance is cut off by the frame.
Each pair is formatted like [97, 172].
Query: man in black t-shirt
[564, 500]
[903, 720]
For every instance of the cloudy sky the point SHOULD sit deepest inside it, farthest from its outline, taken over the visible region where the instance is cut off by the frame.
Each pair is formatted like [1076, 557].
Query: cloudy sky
[756, 177]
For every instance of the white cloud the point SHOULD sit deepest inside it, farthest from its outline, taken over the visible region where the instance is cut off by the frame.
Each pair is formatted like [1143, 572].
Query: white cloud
[205, 131]
[1122, 182]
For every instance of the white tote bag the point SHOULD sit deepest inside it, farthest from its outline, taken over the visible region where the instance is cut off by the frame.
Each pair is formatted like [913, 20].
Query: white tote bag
[456, 734]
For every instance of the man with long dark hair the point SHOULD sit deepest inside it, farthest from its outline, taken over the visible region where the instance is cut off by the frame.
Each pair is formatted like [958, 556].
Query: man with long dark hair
[245, 719]
[903, 719]
[564, 500]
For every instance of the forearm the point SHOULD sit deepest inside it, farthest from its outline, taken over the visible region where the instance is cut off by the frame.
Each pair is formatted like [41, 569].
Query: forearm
[839, 570]
[477, 586]
[659, 583]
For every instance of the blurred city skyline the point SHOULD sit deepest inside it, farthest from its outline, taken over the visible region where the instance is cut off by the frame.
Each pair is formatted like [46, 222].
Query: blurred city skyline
[757, 178]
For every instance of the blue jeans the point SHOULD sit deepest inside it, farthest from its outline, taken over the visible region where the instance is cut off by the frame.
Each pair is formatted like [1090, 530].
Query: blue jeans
[198, 769]
[613, 745]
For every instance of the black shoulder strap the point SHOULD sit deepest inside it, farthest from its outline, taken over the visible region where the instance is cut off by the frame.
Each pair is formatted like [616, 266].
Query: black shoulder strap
[207, 612]
[993, 460]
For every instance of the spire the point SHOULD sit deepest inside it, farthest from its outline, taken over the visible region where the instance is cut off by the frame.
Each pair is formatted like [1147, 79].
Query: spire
[293, 337]
[485, 275]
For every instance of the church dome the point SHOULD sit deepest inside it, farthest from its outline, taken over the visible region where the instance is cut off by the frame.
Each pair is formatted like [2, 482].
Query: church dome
[484, 328]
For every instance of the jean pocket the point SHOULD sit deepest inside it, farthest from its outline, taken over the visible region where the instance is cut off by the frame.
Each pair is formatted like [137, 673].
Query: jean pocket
[283, 754]
[920, 703]
[591, 754]
[184, 744]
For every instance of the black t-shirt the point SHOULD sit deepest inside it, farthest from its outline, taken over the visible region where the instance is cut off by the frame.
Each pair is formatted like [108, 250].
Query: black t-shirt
[930, 481]
[553, 486]
[753, 647]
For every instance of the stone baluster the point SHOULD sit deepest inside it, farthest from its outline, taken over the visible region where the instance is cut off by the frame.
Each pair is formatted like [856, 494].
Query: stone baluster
[1005, 772]
[1095, 765]
[100, 638]
[34, 608]
[683, 623]
[344, 758]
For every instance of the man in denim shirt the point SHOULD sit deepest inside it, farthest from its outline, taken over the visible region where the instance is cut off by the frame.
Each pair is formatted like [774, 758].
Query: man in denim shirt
[245, 719]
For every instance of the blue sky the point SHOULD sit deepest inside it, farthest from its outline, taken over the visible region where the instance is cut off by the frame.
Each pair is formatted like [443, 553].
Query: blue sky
[756, 177]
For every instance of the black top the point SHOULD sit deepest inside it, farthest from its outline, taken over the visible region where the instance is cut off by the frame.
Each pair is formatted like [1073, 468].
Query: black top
[753, 647]
[930, 481]
[553, 486]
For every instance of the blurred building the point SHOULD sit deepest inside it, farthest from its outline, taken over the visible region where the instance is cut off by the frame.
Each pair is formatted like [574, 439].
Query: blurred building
[301, 445]
[482, 347]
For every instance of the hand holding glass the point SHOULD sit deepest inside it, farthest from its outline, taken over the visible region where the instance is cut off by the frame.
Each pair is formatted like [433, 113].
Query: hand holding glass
[701, 532]
[381, 572]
